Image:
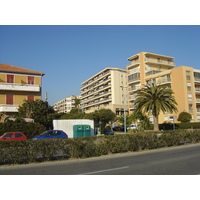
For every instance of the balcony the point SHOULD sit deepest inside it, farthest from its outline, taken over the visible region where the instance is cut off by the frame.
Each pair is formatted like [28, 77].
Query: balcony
[152, 72]
[134, 88]
[164, 81]
[134, 78]
[198, 100]
[133, 63]
[97, 78]
[197, 79]
[19, 87]
[160, 62]
[197, 90]
[8, 108]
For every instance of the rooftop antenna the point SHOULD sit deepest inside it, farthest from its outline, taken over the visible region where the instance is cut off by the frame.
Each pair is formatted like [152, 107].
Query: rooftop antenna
[150, 50]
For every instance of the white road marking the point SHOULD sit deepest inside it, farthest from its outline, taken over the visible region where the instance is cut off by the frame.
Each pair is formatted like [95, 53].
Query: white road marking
[106, 170]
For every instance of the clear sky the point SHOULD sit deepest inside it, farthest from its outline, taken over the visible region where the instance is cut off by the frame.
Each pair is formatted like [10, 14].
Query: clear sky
[69, 55]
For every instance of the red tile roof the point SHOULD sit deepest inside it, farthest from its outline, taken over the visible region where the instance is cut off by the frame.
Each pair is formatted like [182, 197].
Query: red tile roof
[11, 68]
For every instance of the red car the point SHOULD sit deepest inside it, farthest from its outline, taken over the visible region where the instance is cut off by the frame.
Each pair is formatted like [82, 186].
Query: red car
[13, 136]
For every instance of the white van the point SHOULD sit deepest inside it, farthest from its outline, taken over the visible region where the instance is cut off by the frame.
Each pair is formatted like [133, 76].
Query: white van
[133, 126]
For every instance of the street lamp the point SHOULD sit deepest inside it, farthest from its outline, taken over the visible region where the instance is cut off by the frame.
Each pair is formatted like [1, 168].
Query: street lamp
[124, 94]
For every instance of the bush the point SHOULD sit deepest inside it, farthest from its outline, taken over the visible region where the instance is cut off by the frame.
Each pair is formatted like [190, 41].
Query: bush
[27, 151]
[189, 125]
[28, 128]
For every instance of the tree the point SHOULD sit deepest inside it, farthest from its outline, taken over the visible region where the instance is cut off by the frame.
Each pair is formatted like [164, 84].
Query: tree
[38, 110]
[102, 117]
[128, 120]
[154, 98]
[77, 102]
[184, 117]
[143, 120]
[74, 113]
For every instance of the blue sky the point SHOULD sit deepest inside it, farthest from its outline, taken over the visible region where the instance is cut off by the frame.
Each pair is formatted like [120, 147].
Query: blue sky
[70, 54]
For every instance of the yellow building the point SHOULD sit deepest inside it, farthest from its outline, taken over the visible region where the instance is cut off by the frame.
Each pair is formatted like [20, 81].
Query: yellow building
[16, 85]
[106, 89]
[184, 81]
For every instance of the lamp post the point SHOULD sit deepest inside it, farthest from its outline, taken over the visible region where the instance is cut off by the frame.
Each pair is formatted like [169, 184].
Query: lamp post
[124, 94]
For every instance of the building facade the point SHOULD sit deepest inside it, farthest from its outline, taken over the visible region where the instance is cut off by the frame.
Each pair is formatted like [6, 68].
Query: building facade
[106, 89]
[16, 85]
[184, 81]
[66, 104]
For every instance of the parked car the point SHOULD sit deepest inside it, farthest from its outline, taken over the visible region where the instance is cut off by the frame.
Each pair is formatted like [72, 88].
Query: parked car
[51, 134]
[133, 126]
[13, 136]
[117, 128]
[109, 132]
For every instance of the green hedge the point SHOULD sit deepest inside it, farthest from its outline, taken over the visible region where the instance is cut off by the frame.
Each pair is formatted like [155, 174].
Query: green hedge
[29, 129]
[27, 151]
[189, 125]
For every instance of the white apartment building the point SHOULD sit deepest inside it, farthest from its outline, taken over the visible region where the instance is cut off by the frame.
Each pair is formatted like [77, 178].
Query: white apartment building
[106, 89]
[66, 104]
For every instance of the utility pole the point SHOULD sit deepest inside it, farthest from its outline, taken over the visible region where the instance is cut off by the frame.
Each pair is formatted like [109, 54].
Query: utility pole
[124, 94]
[45, 96]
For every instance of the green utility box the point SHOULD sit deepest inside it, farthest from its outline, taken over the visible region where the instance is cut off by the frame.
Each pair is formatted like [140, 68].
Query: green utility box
[81, 131]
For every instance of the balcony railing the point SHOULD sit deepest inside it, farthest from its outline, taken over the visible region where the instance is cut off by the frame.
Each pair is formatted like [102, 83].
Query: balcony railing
[95, 79]
[196, 79]
[8, 108]
[134, 88]
[19, 87]
[132, 63]
[164, 81]
[152, 72]
[161, 62]
[197, 89]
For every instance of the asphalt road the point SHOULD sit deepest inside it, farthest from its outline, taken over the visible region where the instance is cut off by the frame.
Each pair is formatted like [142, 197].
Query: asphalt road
[181, 160]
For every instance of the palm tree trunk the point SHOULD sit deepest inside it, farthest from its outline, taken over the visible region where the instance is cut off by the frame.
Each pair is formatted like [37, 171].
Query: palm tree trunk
[155, 120]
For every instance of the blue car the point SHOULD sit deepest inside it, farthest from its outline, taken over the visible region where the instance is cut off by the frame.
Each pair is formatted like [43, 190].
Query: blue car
[108, 132]
[51, 134]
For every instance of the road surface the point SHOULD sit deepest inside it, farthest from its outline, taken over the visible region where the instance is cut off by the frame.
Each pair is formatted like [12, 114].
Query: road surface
[181, 160]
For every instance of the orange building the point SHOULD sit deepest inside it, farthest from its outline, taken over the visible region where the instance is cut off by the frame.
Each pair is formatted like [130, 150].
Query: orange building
[16, 85]
[147, 67]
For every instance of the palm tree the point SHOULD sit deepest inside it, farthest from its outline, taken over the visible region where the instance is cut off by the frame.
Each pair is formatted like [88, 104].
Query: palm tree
[154, 98]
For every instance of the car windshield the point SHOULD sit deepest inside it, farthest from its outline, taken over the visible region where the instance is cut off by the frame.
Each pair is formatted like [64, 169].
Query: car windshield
[43, 133]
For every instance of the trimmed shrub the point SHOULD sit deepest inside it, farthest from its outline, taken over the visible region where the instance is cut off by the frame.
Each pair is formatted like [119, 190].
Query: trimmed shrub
[26, 151]
[28, 128]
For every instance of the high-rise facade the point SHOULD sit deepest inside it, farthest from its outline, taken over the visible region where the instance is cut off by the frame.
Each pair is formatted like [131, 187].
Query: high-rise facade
[66, 104]
[184, 81]
[106, 89]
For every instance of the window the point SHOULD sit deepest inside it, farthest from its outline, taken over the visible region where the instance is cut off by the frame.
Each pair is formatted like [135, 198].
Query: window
[197, 76]
[30, 98]
[31, 80]
[189, 86]
[9, 99]
[188, 75]
[57, 132]
[166, 119]
[10, 78]
[190, 108]
[158, 59]
[189, 97]
[8, 135]
[18, 135]
[169, 62]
